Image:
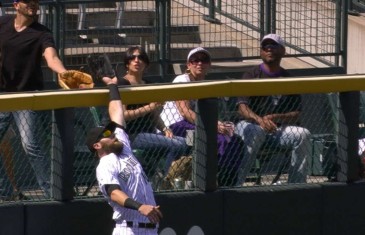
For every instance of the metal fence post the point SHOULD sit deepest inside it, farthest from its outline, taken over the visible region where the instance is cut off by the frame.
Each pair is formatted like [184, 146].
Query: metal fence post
[348, 135]
[161, 15]
[205, 161]
[62, 154]
[344, 31]
[264, 28]
[211, 17]
[272, 19]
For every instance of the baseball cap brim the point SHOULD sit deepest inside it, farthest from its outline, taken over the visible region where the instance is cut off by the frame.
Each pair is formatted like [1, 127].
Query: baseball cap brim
[198, 50]
[273, 37]
[94, 135]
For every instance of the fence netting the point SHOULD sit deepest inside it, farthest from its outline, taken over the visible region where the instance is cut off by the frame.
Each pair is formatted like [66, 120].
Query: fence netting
[311, 30]
[169, 29]
[169, 162]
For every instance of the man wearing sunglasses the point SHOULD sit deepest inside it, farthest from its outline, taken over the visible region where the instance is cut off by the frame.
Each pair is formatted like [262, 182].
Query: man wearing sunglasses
[120, 176]
[23, 44]
[272, 120]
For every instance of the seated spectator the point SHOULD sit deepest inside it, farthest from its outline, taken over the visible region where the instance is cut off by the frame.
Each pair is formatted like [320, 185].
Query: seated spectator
[143, 120]
[361, 152]
[180, 117]
[272, 120]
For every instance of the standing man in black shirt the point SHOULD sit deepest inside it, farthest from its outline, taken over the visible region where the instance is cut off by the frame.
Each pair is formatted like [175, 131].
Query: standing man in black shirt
[23, 44]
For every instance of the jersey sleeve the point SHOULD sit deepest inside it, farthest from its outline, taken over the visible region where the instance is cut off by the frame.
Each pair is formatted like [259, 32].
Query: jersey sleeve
[106, 173]
[123, 137]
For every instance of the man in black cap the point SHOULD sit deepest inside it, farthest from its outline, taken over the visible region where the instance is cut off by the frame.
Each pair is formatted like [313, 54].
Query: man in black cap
[120, 176]
[272, 119]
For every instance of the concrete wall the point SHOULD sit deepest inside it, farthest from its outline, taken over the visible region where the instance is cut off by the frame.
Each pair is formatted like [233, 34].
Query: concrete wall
[356, 45]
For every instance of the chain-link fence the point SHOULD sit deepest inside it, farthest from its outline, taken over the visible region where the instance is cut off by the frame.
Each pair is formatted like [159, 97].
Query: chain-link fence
[168, 30]
[169, 163]
[272, 162]
[26, 142]
[231, 30]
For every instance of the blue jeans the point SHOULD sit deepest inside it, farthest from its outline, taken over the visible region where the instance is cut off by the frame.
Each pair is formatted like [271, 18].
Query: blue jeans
[294, 138]
[28, 123]
[171, 148]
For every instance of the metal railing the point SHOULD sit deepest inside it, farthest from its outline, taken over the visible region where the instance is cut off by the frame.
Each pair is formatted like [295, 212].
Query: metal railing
[333, 143]
[356, 6]
[310, 28]
[231, 30]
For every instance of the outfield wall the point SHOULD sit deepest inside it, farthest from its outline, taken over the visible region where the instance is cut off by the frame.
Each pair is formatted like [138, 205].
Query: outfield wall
[327, 208]
[320, 209]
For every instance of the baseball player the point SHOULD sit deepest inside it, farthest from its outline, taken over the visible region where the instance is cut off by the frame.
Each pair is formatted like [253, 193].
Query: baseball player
[120, 176]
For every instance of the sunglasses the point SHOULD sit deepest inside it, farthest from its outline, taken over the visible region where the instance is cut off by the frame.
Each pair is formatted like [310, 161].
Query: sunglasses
[105, 134]
[270, 46]
[202, 60]
[140, 57]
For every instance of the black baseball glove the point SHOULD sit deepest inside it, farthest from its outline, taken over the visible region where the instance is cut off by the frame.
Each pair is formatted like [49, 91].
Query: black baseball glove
[100, 66]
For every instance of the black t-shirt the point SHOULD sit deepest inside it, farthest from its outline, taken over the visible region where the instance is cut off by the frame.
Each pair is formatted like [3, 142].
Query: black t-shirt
[144, 124]
[263, 105]
[21, 55]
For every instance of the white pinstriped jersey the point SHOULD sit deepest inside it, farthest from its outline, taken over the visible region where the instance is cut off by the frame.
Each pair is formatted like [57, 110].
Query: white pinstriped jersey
[125, 170]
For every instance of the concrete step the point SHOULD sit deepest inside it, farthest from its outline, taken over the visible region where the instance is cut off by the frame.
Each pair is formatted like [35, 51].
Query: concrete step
[100, 26]
[107, 18]
[177, 53]
[217, 52]
[75, 58]
[131, 35]
[100, 4]
[236, 68]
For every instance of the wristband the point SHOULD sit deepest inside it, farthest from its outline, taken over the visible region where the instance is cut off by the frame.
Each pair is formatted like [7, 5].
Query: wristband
[132, 204]
[113, 92]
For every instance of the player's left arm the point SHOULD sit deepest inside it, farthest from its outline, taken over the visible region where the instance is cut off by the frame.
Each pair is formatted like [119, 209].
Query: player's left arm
[116, 113]
[53, 61]
[153, 213]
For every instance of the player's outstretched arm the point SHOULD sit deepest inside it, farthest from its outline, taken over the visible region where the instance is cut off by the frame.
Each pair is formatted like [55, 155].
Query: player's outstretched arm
[115, 105]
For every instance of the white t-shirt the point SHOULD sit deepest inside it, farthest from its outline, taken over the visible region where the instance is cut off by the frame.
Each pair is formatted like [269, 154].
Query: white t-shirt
[170, 113]
[125, 170]
[361, 146]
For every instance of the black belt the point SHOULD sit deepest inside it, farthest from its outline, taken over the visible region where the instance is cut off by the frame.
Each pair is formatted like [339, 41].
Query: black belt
[141, 225]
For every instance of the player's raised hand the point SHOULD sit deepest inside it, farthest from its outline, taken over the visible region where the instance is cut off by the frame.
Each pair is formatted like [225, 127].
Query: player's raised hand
[153, 213]
[109, 80]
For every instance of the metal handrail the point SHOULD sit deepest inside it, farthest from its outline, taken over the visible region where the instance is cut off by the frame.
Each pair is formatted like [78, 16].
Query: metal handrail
[356, 6]
[163, 25]
[268, 25]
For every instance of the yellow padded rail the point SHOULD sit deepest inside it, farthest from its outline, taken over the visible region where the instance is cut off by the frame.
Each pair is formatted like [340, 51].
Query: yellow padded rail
[56, 99]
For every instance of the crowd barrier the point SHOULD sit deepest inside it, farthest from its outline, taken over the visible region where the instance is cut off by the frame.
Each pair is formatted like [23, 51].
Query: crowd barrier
[322, 209]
